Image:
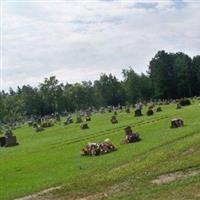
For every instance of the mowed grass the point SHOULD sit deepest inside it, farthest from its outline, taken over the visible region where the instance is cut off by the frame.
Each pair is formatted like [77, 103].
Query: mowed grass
[52, 158]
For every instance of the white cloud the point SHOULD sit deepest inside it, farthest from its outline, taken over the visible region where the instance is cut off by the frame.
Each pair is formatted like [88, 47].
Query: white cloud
[77, 41]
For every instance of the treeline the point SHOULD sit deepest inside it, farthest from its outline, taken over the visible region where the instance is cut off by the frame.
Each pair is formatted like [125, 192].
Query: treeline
[169, 75]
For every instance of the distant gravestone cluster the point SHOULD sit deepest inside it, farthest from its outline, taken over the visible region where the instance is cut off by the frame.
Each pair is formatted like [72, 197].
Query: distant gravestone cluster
[83, 118]
[40, 123]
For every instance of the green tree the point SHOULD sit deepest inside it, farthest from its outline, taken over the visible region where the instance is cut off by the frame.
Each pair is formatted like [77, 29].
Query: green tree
[183, 75]
[137, 87]
[50, 92]
[195, 82]
[162, 74]
[31, 100]
[108, 90]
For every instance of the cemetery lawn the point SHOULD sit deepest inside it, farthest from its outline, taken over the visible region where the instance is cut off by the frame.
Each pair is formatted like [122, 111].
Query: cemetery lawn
[52, 158]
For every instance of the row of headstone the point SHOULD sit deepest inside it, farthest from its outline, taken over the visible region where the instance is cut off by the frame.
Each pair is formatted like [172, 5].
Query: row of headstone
[10, 140]
[79, 120]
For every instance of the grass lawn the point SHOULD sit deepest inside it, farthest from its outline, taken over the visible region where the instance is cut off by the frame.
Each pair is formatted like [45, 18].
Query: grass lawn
[52, 158]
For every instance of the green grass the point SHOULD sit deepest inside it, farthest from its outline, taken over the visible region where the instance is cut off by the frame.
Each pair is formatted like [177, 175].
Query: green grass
[52, 158]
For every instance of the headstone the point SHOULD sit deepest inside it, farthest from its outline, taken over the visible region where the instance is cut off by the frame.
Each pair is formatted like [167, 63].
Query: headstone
[138, 106]
[159, 109]
[115, 112]
[176, 123]
[151, 107]
[84, 126]
[10, 139]
[127, 110]
[39, 128]
[114, 120]
[30, 123]
[57, 117]
[120, 107]
[87, 118]
[69, 120]
[109, 109]
[88, 113]
[79, 119]
[39, 120]
[128, 130]
[47, 123]
[178, 106]
[130, 135]
[150, 112]
[2, 141]
[185, 102]
[8, 133]
[138, 113]
[35, 125]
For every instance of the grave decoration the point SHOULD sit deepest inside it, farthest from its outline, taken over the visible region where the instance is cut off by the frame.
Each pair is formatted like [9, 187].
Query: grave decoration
[96, 149]
[131, 136]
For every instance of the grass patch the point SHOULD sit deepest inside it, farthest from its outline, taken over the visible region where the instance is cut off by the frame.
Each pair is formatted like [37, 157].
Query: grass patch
[52, 158]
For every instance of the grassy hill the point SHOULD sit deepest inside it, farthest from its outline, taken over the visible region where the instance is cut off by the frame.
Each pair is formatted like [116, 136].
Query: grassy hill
[52, 158]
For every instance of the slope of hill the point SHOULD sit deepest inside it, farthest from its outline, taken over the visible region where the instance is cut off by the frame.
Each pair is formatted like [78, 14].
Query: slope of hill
[165, 164]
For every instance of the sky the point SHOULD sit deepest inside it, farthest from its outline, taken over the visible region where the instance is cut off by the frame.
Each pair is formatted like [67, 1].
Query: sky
[78, 40]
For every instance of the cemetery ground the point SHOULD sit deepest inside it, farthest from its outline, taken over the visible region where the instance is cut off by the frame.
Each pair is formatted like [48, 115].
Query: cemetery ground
[165, 164]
